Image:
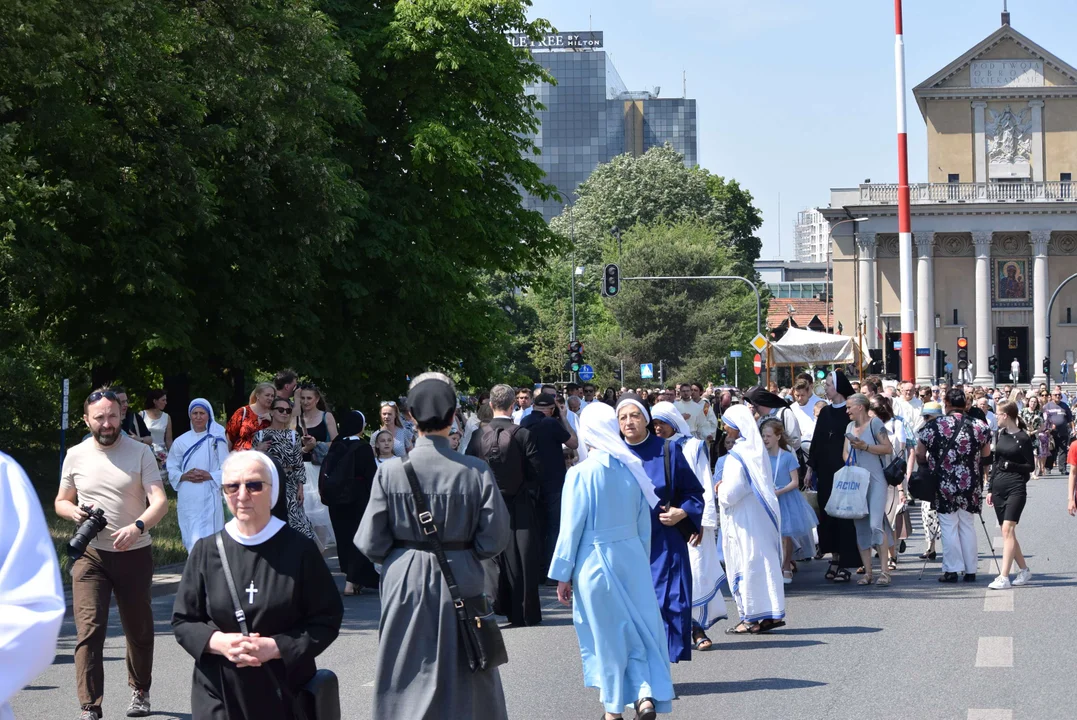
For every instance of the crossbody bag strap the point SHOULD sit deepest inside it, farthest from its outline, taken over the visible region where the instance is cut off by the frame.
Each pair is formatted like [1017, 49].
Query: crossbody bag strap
[876, 441]
[667, 464]
[430, 533]
[241, 616]
[952, 441]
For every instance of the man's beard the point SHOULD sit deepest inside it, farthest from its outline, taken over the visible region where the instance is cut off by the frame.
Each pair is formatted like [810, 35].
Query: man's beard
[104, 437]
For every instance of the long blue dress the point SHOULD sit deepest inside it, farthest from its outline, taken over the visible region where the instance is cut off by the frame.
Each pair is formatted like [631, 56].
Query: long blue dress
[602, 548]
[671, 569]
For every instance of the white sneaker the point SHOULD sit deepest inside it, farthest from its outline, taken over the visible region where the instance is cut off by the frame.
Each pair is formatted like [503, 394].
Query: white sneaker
[1002, 582]
[1023, 577]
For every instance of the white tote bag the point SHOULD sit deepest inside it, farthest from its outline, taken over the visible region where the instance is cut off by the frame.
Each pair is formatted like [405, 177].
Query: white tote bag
[849, 499]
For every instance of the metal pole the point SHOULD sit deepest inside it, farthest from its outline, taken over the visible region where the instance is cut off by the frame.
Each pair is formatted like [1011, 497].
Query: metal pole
[908, 339]
[736, 377]
[1050, 308]
[572, 274]
[64, 419]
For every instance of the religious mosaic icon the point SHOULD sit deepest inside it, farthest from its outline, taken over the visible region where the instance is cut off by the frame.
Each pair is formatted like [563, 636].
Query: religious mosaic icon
[1011, 283]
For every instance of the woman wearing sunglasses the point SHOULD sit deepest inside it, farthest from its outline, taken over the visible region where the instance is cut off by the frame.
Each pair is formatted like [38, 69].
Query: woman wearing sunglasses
[391, 423]
[280, 442]
[289, 599]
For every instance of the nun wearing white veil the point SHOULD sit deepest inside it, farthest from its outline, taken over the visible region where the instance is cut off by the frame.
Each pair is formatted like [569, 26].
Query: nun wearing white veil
[751, 528]
[194, 470]
[602, 565]
[708, 603]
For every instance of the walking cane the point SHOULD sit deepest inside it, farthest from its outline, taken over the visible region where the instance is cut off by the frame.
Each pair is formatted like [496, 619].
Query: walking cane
[989, 543]
[934, 538]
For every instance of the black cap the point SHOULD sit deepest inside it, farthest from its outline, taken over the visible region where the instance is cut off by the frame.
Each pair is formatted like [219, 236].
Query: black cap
[544, 399]
[432, 403]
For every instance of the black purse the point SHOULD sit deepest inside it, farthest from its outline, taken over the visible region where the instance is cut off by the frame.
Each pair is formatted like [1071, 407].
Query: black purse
[480, 636]
[685, 527]
[319, 699]
[924, 484]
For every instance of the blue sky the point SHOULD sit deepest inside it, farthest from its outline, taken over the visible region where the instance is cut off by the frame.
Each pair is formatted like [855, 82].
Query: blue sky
[797, 96]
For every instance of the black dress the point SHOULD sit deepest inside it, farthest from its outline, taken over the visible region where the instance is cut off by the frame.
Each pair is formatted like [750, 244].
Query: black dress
[836, 536]
[319, 432]
[344, 483]
[1008, 481]
[287, 593]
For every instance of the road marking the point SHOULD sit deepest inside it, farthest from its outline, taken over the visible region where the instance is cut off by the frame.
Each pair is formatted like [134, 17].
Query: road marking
[998, 601]
[369, 684]
[995, 652]
[990, 715]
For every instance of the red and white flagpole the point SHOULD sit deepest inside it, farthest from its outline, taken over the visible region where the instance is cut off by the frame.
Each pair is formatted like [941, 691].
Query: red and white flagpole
[908, 340]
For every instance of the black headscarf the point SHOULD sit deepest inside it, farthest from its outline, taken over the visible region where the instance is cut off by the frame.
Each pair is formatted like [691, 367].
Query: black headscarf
[842, 384]
[351, 424]
[761, 397]
[432, 404]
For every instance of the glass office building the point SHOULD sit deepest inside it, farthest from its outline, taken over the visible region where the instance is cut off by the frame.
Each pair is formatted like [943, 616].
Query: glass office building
[591, 116]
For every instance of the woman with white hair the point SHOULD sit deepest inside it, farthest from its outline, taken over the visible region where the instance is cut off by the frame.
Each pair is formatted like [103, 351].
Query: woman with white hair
[601, 563]
[194, 470]
[251, 660]
[751, 528]
[708, 603]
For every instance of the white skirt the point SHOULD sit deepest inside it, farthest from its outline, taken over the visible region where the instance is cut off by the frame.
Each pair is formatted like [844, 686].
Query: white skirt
[708, 603]
[317, 513]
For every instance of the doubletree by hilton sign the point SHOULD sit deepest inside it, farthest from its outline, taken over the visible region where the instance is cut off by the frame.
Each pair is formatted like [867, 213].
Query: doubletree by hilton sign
[589, 40]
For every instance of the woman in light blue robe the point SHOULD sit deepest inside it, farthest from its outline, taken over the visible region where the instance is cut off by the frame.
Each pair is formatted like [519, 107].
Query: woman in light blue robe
[602, 565]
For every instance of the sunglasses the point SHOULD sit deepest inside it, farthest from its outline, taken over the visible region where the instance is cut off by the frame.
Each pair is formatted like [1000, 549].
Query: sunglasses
[388, 403]
[254, 487]
[101, 394]
[285, 410]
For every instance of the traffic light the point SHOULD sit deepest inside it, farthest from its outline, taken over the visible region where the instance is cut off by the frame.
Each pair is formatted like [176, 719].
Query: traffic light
[617, 374]
[992, 364]
[725, 372]
[575, 356]
[611, 280]
[962, 353]
[940, 364]
[1047, 366]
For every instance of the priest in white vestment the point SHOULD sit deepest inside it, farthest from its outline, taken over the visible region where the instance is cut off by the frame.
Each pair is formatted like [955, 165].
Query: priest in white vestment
[31, 596]
[751, 528]
[194, 470]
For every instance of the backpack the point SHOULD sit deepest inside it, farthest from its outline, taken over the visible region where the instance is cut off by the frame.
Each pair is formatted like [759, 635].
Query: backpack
[504, 457]
[336, 481]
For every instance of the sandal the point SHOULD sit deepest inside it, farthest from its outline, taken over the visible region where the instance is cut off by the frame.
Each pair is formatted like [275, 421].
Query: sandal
[740, 629]
[766, 626]
[832, 572]
[793, 566]
[860, 570]
[866, 580]
[891, 564]
[648, 713]
[700, 641]
[884, 579]
[787, 577]
[843, 576]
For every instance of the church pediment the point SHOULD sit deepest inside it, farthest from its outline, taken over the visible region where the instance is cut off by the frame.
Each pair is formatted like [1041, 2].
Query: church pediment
[1004, 61]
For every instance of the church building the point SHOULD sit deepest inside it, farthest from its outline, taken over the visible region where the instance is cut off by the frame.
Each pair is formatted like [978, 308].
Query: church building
[994, 229]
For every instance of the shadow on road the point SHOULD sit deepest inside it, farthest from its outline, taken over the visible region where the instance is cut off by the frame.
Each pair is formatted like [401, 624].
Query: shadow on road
[709, 688]
[770, 644]
[849, 630]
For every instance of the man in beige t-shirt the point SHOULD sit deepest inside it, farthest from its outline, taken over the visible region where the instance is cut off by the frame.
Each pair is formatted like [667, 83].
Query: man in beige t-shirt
[118, 475]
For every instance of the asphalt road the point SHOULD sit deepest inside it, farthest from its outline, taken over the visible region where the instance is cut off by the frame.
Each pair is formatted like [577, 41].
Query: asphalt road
[917, 649]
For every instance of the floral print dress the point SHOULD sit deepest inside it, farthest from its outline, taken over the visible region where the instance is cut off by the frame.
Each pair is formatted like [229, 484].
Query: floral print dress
[284, 447]
[960, 472]
[1037, 429]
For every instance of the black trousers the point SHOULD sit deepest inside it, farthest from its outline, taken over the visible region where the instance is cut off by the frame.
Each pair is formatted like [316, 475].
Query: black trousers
[356, 567]
[518, 584]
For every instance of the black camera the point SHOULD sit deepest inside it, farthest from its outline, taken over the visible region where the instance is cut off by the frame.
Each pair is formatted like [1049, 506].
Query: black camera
[87, 531]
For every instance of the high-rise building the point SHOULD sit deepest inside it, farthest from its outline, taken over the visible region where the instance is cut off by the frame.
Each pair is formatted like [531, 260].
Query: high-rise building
[811, 235]
[591, 116]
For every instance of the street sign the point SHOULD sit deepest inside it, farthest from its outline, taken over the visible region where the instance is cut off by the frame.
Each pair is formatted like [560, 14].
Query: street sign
[587, 373]
[923, 352]
[897, 344]
[646, 371]
[735, 354]
[757, 363]
[759, 343]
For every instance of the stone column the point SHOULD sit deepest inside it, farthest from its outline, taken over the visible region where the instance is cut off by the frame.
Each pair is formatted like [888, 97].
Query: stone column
[979, 142]
[1037, 140]
[866, 245]
[1040, 292]
[925, 303]
[982, 347]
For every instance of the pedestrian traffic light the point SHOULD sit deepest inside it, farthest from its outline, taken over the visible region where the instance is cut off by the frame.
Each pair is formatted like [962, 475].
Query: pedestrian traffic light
[611, 280]
[1047, 366]
[962, 353]
[992, 364]
[575, 356]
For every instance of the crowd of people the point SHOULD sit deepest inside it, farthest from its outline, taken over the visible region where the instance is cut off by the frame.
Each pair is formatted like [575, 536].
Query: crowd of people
[645, 508]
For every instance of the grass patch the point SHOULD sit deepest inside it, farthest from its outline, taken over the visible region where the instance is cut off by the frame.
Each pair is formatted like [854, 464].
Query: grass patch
[42, 465]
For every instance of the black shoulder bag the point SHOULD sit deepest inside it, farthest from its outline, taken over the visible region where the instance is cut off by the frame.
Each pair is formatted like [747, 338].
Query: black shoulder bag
[480, 636]
[895, 471]
[320, 697]
[685, 527]
[924, 484]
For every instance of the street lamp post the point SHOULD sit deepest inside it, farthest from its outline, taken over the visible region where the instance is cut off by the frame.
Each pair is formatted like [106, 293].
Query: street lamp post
[829, 262]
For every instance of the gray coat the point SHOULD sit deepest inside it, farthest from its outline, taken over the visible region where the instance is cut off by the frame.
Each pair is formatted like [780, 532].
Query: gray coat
[422, 673]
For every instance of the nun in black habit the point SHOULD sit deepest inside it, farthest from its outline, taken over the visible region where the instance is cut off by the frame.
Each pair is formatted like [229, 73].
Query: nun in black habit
[836, 536]
[292, 607]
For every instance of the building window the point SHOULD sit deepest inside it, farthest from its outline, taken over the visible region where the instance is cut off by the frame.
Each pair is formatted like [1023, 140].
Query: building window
[952, 192]
[955, 317]
[1069, 318]
[953, 178]
[1065, 179]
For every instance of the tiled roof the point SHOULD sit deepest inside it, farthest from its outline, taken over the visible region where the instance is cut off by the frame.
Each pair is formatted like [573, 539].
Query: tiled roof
[804, 311]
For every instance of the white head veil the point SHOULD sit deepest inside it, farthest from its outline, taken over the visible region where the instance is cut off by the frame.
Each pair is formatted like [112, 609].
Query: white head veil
[667, 412]
[275, 524]
[695, 452]
[214, 434]
[752, 457]
[599, 430]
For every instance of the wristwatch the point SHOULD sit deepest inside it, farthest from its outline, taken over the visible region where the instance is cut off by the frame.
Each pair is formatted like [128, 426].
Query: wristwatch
[141, 526]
